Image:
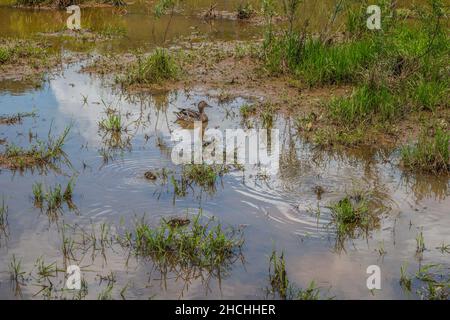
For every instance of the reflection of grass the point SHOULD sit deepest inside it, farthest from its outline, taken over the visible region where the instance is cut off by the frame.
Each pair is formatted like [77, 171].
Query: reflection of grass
[429, 154]
[420, 243]
[201, 245]
[155, 68]
[279, 282]
[16, 118]
[38, 155]
[3, 216]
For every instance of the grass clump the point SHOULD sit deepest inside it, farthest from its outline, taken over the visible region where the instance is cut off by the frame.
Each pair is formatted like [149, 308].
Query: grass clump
[53, 198]
[365, 104]
[157, 67]
[323, 64]
[280, 285]
[203, 176]
[112, 123]
[429, 154]
[429, 94]
[16, 272]
[247, 110]
[431, 282]
[41, 154]
[352, 217]
[12, 51]
[199, 245]
[38, 194]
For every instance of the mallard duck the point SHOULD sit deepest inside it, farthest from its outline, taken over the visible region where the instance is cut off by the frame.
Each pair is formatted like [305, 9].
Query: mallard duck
[189, 115]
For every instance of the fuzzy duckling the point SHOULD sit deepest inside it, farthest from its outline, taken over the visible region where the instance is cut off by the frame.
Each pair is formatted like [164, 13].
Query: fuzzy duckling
[189, 115]
[150, 175]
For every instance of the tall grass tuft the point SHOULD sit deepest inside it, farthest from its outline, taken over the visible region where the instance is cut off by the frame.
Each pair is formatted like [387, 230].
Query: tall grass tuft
[366, 104]
[429, 154]
[155, 68]
[112, 123]
[352, 217]
[205, 245]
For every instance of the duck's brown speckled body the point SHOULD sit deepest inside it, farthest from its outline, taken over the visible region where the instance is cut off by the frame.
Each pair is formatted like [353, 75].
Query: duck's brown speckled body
[189, 115]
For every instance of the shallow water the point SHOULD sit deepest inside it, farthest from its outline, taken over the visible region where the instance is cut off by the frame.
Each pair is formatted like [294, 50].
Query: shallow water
[277, 211]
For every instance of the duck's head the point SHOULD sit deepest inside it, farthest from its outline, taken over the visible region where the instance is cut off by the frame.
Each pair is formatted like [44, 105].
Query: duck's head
[202, 105]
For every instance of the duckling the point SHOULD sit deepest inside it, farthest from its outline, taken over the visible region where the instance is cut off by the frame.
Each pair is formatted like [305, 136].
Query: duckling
[150, 175]
[189, 115]
[318, 190]
[178, 222]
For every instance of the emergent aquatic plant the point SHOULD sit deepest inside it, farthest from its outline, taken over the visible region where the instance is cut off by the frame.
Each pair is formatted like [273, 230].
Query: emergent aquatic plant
[157, 67]
[197, 245]
[280, 285]
[40, 154]
[351, 217]
[429, 154]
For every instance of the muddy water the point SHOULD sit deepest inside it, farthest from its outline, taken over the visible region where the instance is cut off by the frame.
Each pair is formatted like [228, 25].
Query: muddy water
[142, 29]
[277, 211]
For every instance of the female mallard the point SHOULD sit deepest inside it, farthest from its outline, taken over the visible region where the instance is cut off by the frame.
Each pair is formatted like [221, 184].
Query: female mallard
[190, 115]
